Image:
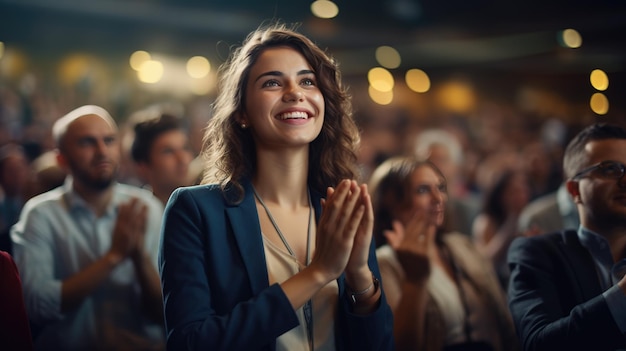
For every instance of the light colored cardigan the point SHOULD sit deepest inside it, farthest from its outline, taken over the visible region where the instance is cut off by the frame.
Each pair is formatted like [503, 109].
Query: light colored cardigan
[480, 274]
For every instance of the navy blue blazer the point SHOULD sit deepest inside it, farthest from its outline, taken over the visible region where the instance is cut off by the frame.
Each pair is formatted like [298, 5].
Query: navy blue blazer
[215, 282]
[556, 298]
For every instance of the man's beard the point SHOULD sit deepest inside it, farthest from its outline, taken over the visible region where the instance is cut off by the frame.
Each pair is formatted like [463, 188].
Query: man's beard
[98, 183]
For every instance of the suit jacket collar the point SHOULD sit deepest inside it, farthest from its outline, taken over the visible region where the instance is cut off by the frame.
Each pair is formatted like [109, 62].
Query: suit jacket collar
[583, 266]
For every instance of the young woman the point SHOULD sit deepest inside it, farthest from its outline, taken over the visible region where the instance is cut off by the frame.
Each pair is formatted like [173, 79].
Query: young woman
[255, 259]
[444, 294]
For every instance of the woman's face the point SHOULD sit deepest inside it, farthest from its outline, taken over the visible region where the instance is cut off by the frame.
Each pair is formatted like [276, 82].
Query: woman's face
[284, 105]
[427, 195]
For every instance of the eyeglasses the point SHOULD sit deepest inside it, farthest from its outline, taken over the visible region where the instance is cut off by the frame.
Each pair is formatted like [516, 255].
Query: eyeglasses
[606, 169]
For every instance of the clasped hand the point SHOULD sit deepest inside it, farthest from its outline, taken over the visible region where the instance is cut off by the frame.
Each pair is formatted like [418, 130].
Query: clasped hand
[129, 230]
[344, 234]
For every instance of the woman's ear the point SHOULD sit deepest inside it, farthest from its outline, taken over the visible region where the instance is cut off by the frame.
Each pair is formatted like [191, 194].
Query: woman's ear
[242, 120]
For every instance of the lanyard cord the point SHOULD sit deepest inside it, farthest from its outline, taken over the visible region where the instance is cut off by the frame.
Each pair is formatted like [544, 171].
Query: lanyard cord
[307, 308]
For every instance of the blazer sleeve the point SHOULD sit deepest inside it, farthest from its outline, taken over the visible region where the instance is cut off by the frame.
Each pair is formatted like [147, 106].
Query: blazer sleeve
[365, 332]
[207, 300]
[546, 303]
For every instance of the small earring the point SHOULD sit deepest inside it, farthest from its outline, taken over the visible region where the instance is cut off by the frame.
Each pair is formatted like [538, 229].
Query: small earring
[244, 125]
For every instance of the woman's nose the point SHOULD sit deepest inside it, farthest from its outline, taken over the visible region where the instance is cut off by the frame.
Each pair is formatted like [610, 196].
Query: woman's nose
[293, 94]
[438, 196]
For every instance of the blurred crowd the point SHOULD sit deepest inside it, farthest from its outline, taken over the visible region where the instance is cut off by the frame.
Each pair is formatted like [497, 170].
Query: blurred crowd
[503, 168]
[496, 160]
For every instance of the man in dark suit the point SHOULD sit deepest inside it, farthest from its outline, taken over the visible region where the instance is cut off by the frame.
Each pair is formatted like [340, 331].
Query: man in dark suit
[567, 290]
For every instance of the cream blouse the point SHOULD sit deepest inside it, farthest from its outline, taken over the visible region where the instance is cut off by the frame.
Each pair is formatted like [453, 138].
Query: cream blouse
[281, 266]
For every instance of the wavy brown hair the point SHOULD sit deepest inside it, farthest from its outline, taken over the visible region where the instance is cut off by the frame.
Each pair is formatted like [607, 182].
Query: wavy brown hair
[229, 150]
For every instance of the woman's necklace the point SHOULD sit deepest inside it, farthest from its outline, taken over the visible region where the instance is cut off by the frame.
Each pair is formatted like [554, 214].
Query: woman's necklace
[307, 308]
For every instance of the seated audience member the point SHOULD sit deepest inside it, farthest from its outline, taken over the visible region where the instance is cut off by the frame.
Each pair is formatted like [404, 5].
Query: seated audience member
[48, 174]
[444, 150]
[14, 328]
[444, 294]
[162, 153]
[567, 290]
[549, 213]
[14, 181]
[496, 225]
[86, 251]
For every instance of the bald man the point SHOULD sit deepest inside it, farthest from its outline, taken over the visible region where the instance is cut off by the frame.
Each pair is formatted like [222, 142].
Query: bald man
[87, 251]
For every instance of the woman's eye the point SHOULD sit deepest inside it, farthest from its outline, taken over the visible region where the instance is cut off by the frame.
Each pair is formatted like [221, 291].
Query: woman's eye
[422, 190]
[271, 83]
[308, 81]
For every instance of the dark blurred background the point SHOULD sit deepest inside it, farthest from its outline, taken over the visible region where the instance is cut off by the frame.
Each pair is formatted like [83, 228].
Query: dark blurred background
[501, 74]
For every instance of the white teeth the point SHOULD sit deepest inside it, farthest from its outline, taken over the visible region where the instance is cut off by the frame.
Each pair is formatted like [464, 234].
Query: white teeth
[293, 115]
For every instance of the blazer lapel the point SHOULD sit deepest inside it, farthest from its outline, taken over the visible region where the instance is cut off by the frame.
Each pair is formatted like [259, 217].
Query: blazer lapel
[246, 229]
[244, 220]
[583, 266]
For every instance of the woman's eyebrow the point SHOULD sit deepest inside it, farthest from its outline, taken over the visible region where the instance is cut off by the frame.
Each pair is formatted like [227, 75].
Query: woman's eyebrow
[280, 74]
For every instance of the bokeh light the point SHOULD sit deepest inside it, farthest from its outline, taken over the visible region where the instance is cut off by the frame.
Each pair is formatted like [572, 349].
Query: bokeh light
[150, 71]
[599, 80]
[138, 58]
[456, 96]
[388, 57]
[380, 97]
[417, 80]
[198, 67]
[599, 104]
[380, 79]
[324, 9]
[571, 38]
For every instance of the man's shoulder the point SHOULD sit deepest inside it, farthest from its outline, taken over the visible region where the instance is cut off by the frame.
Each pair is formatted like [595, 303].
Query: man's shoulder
[126, 191]
[132, 190]
[545, 245]
[50, 198]
[551, 238]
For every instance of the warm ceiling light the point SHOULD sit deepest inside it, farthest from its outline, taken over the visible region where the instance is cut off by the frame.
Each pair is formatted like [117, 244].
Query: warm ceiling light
[75, 67]
[456, 96]
[198, 67]
[324, 9]
[599, 104]
[150, 71]
[380, 97]
[380, 79]
[417, 80]
[599, 80]
[138, 58]
[388, 57]
[571, 38]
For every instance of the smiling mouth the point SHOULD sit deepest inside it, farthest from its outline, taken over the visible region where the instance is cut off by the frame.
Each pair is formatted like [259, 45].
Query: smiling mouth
[293, 115]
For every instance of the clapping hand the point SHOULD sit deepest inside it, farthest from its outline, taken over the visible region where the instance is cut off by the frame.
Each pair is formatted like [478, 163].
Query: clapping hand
[414, 245]
[129, 230]
[341, 218]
